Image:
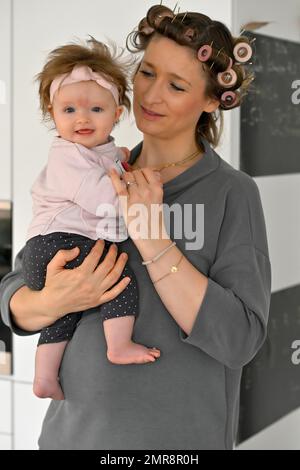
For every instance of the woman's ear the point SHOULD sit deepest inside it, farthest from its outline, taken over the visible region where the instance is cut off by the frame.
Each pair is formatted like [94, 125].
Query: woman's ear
[211, 105]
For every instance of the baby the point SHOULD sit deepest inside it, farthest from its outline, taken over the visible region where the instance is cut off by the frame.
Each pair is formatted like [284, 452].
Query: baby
[83, 90]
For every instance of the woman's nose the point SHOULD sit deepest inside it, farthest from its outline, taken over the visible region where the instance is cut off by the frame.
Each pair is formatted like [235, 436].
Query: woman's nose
[153, 93]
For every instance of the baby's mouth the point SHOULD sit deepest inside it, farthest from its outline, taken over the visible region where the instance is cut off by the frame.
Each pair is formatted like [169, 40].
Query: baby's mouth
[85, 131]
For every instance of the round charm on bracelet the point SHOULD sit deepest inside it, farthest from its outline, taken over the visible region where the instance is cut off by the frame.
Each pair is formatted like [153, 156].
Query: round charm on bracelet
[173, 269]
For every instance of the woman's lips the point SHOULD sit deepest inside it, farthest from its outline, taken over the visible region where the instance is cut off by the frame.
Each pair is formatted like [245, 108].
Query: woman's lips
[150, 115]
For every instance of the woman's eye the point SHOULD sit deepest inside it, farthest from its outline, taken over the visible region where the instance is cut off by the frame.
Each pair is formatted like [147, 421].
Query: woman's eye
[97, 109]
[147, 74]
[69, 109]
[176, 87]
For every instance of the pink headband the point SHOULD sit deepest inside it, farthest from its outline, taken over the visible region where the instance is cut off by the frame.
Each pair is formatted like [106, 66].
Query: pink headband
[82, 73]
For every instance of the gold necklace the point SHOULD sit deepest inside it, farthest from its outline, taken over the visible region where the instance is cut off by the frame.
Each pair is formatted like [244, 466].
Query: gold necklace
[181, 162]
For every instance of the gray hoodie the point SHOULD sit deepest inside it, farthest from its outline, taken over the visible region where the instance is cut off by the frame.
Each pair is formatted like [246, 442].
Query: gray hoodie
[189, 398]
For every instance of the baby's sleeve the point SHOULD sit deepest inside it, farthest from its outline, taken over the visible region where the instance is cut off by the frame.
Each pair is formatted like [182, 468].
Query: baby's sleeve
[72, 177]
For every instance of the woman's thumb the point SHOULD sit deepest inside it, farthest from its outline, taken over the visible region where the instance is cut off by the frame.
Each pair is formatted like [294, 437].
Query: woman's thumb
[62, 257]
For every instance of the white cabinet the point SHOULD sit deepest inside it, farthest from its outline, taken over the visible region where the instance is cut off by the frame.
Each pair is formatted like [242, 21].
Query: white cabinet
[29, 413]
[5, 100]
[5, 407]
[5, 442]
[24, 348]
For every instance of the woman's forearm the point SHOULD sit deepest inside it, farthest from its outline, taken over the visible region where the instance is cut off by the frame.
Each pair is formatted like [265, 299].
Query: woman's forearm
[29, 310]
[182, 292]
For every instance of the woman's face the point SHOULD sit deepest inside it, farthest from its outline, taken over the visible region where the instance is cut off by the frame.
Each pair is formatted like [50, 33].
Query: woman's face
[169, 90]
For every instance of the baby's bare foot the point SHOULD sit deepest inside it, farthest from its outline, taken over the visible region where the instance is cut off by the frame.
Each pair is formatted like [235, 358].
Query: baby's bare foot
[46, 388]
[133, 353]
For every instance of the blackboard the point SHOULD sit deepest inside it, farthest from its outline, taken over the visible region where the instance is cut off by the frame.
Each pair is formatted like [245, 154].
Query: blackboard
[270, 120]
[270, 386]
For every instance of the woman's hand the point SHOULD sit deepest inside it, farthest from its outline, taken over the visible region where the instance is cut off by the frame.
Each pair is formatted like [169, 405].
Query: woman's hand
[142, 201]
[84, 287]
[126, 153]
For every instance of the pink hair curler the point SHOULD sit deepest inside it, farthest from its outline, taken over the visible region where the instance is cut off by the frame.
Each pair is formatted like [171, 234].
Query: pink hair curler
[242, 52]
[229, 99]
[228, 78]
[204, 53]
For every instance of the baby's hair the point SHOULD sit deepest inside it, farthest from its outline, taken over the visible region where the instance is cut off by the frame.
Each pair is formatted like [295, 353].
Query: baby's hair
[93, 54]
[195, 30]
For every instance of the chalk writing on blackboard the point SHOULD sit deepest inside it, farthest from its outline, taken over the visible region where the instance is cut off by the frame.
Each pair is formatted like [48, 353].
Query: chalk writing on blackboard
[270, 115]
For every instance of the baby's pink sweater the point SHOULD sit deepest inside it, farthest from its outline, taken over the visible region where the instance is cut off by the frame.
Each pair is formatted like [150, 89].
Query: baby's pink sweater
[69, 193]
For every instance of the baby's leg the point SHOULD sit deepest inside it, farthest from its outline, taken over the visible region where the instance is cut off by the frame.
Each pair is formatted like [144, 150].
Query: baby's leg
[47, 362]
[120, 347]
[118, 321]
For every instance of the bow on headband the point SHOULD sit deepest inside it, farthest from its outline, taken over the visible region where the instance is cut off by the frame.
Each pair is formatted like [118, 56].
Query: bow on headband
[82, 73]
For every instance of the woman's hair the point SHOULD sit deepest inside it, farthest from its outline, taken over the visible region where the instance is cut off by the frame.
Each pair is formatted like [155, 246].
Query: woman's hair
[194, 30]
[93, 54]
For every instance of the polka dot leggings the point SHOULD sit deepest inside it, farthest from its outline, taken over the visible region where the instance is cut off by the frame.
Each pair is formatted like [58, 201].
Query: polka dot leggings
[39, 251]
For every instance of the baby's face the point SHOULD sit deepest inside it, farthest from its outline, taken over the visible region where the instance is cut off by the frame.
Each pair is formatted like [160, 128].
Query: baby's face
[85, 113]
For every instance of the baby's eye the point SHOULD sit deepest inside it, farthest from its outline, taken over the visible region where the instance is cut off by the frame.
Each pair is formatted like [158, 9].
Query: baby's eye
[69, 109]
[97, 109]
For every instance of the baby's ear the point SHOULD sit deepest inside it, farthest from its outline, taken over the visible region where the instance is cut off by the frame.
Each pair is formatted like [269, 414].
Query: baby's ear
[119, 111]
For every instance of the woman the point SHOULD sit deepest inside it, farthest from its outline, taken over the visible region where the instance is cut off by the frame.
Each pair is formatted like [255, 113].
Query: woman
[204, 302]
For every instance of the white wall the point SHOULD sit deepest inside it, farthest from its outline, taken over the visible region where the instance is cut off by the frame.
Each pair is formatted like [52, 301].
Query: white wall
[5, 103]
[278, 193]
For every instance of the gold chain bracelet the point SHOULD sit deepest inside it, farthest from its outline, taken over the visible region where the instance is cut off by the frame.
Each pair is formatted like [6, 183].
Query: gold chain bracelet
[173, 269]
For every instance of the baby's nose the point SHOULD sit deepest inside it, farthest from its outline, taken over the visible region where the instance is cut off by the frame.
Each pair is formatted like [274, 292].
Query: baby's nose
[83, 116]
